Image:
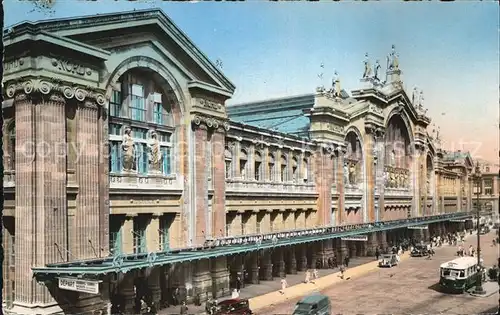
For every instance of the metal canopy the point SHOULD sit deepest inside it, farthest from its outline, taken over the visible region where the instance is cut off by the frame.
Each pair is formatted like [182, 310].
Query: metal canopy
[125, 263]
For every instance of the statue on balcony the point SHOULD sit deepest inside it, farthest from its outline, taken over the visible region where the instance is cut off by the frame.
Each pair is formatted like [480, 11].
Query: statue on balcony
[392, 60]
[128, 149]
[376, 71]
[154, 153]
[346, 174]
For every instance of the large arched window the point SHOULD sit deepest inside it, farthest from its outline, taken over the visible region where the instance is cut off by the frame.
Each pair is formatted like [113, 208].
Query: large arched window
[397, 143]
[139, 99]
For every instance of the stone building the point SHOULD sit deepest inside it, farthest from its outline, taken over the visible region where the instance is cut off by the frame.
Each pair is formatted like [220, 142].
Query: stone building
[125, 169]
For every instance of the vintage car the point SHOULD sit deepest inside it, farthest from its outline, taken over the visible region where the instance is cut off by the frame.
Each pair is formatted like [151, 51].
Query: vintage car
[420, 250]
[388, 260]
[484, 230]
[233, 307]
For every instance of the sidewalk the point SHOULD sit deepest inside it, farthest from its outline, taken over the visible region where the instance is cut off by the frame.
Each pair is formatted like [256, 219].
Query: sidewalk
[252, 291]
[295, 291]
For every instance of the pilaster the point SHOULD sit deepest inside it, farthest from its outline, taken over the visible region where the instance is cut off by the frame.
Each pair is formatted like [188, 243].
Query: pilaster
[128, 235]
[219, 180]
[220, 276]
[152, 234]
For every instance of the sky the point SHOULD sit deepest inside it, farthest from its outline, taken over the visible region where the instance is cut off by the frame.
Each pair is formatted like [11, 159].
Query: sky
[274, 49]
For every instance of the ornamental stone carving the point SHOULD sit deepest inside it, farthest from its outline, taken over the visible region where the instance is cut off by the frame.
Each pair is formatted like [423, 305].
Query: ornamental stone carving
[128, 150]
[397, 178]
[71, 67]
[47, 86]
[211, 122]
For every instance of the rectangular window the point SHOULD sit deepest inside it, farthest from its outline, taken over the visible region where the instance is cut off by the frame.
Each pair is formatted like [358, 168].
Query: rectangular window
[139, 235]
[166, 160]
[270, 171]
[488, 187]
[139, 133]
[165, 222]
[164, 137]
[115, 237]
[283, 173]
[258, 166]
[115, 104]
[142, 160]
[228, 168]
[138, 103]
[115, 156]
[115, 129]
[157, 114]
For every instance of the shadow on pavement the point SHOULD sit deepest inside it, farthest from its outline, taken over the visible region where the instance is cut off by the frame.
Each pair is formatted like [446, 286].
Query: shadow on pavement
[437, 288]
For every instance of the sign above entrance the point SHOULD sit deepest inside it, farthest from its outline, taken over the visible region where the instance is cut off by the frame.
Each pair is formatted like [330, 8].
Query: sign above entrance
[458, 221]
[359, 238]
[86, 286]
[419, 227]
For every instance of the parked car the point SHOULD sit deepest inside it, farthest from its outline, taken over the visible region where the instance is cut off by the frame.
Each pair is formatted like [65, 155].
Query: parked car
[388, 260]
[233, 307]
[420, 250]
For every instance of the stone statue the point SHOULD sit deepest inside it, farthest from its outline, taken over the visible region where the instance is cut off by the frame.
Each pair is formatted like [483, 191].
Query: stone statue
[392, 60]
[128, 150]
[352, 173]
[368, 68]
[414, 96]
[154, 153]
[376, 70]
[392, 158]
[337, 85]
[346, 174]
[392, 180]
[421, 100]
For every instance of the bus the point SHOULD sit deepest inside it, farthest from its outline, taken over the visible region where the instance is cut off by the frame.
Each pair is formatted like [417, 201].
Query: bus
[460, 274]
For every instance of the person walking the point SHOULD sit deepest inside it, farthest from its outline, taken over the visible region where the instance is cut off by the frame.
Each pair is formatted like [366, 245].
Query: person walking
[346, 261]
[342, 270]
[377, 253]
[308, 276]
[184, 308]
[284, 284]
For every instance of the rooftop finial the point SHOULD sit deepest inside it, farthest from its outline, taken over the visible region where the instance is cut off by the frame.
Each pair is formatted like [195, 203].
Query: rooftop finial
[321, 87]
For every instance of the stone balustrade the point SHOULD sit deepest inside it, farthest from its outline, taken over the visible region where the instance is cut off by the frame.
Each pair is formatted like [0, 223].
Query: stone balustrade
[138, 181]
[243, 185]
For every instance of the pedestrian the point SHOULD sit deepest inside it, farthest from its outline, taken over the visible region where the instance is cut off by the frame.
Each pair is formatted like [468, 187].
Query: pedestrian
[346, 261]
[315, 274]
[377, 253]
[284, 284]
[238, 284]
[308, 276]
[184, 308]
[342, 270]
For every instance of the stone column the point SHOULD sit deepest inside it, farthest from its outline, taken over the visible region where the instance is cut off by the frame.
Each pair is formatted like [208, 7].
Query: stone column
[219, 180]
[254, 268]
[361, 249]
[342, 250]
[220, 277]
[279, 262]
[202, 281]
[128, 235]
[154, 285]
[266, 266]
[200, 151]
[127, 293]
[371, 244]
[301, 253]
[291, 261]
[382, 239]
[152, 234]
[352, 249]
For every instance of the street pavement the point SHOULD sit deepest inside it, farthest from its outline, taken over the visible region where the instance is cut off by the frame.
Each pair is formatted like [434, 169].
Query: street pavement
[411, 287]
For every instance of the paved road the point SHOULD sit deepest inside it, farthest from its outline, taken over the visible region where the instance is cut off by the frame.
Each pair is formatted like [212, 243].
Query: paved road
[411, 287]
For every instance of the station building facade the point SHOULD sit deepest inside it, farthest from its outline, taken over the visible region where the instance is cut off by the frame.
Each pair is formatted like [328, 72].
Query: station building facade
[118, 141]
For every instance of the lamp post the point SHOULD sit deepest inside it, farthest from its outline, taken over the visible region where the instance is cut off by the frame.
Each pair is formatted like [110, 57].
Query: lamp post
[477, 176]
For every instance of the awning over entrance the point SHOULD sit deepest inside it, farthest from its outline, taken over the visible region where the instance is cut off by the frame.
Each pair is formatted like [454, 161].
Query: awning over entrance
[232, 246]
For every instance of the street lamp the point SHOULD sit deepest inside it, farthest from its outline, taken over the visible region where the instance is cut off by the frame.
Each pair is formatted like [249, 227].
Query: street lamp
[477, 190]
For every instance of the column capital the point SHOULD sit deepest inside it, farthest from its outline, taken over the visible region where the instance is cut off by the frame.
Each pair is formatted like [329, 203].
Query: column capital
[207, 122]
[47, 86]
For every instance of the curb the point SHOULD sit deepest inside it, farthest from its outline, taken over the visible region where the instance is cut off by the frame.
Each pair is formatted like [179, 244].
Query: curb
[299, 290]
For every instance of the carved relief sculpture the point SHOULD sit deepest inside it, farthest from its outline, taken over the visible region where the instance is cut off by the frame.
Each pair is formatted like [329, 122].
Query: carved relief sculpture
[352, 173]
[128, 150]
[154, 153]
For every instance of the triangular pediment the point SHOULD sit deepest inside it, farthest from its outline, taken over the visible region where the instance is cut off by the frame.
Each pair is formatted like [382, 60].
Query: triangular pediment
[152, 27]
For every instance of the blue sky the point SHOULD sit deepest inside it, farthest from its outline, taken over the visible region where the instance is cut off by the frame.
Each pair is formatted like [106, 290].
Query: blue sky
[450, 50]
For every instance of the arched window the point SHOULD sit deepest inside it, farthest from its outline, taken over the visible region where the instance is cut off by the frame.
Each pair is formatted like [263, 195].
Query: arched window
[243, 163]
[283, 168]
[295, 169]
[228, 160]
[270, 167]
[258, 166]
[11, 147]
[305, 170]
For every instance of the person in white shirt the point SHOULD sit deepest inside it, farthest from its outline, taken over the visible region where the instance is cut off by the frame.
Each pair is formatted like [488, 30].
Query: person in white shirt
[284, 284]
